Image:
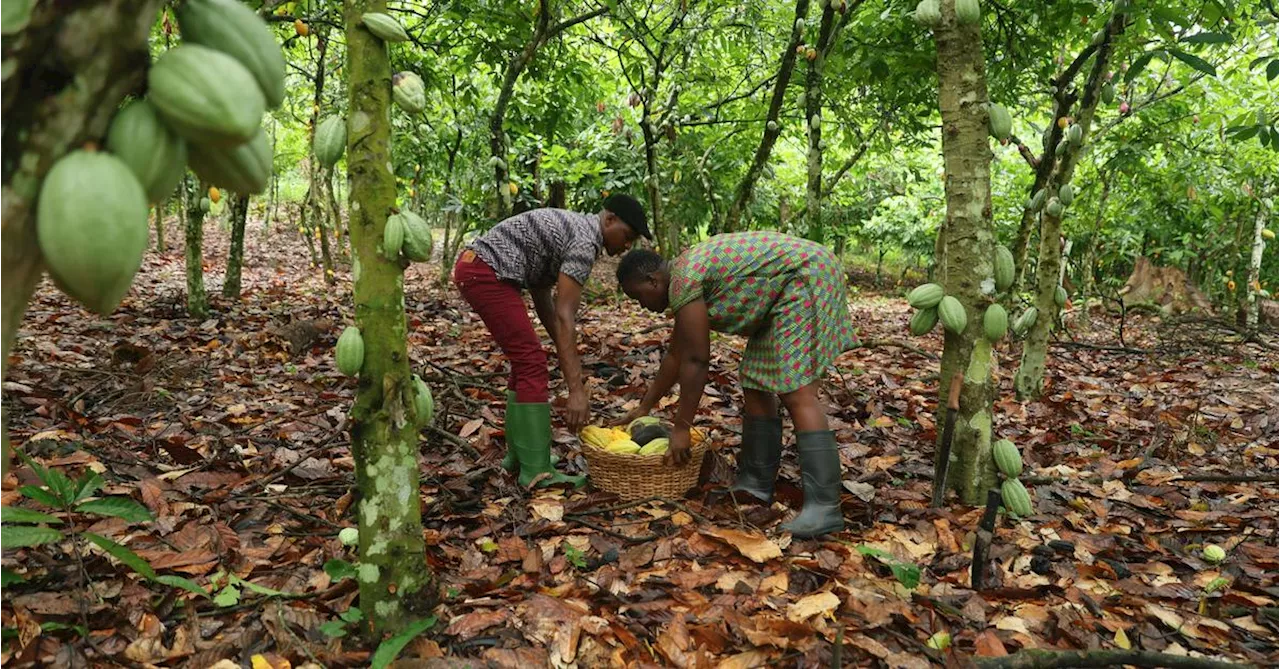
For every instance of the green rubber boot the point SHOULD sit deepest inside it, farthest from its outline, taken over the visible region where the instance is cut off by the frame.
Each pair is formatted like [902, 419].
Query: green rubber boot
[759, 458]
[820, 471]
[509, 461]
[529, 426]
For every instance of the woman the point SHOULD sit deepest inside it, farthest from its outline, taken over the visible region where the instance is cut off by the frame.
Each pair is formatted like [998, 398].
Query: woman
[788, 296]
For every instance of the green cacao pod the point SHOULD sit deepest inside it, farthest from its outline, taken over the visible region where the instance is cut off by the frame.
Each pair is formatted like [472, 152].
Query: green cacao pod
[350, 351]
[1066, 194]
[1004, 268]
[1016, 498]
[968, 11]
[384, 27]
[417, 237]
[952, 314]
[928, 13]
[205, 205]
[409, 92]
[1060, 296]
[231, 27]
[1075, 134]
[1061, 149]
[423, 404]
[925, 296]
[155, 154]
[1213, 553]
[995, 323]
[206, 95]
[393, 236]
[1008, 459]
[1025, 321]
[91, 226]
[923, 321]
[1108, 93]
[1055, 208]
[331, 140]
[999, 121]
[243, 169]
[1037, 200]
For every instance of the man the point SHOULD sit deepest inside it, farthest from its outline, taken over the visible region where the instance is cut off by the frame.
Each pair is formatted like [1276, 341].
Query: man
[539, 250]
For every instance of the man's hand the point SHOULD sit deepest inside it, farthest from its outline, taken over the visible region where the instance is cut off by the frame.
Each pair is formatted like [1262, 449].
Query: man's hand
[678, 450]
[578, 411]
[638, 412]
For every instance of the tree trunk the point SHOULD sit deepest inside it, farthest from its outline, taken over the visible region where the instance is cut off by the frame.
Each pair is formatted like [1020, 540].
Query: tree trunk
[812, 111]
[1249, 297]
[742, 194]
[396, 585]
[1088, 273]
[968, 251]
[235, 255]
[1029, 381]
[335, 214]
[322, 226]
[161, 209]
[671, 245]
[307, 231]
[197, 300]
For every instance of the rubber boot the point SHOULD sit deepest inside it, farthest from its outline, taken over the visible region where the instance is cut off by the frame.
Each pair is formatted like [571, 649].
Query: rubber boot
[531, 438]
[759, 458]
[509, 460]
[820, 471]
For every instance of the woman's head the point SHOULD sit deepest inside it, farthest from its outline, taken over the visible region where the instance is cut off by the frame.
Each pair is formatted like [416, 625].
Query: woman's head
[644, 277]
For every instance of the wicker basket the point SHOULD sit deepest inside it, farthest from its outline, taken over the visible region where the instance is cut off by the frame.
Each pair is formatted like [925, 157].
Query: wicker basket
[633, 477]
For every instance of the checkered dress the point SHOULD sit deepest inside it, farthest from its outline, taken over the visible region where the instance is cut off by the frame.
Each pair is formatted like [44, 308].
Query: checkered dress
[786, 294]
[534, 248]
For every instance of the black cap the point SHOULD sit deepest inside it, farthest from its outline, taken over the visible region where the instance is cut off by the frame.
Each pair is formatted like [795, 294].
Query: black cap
[630, 211]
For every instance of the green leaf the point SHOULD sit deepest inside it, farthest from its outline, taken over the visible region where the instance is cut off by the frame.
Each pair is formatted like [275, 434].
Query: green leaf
[1195, 62]
[334, 629]
[40, 495]
[907, 574]
[123, 554]
[228, 596]
[87, 485]
[339, 569]
[388, 650]
[1273, 68]
[182, 582]
[1140, 64]
[261, 590]
[1208, 38]
[9, 577]
[61, 486]
[55, 626]
[120, 507]
[352, 615]
[18, 536]
[13, 514]
[14, 15]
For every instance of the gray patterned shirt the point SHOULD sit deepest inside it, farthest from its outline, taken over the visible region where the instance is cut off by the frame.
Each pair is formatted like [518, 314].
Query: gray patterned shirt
[535, 247]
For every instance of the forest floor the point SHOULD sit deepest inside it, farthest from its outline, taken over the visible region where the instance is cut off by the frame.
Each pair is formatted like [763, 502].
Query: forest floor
[1139, 453]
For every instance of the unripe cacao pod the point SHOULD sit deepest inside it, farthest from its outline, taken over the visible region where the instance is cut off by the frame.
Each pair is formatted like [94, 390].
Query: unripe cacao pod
[155, 154]
[1037, 200]
[1268, 233]
[350, 351]
[925, 296]
[393, 237]
[1025, 321]
[424, 405]
[1213, 554]
[206, 95]
[1004, 268]
[772, 126]
[231, 27]
[1061, 149]
[1108, 93]
[1066, 194]
[923, 321]
[1016, 498]
[999, 121]
[244, 169]
[205, 205]
[330, 140]
[91, 226]
[409, 92]
[1075, 133]
[384, 27]
[995, 323]
[1060, 296]
[1008, 459]
[417, 237]
[928, 13]
[952, 314]
[968, 11]
[1054, 208]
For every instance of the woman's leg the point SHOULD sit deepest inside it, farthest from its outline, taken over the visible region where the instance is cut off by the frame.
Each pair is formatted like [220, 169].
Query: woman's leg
[806, 412]
[761, 451]
[819, 465]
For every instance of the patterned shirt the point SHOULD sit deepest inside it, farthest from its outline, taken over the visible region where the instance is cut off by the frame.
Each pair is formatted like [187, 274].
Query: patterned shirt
[535, 247]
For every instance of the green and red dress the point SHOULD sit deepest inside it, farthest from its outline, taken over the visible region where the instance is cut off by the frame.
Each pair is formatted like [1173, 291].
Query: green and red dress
[786, 294]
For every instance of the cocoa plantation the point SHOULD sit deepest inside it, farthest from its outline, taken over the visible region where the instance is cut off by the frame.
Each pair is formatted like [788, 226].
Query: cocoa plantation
[893, 333]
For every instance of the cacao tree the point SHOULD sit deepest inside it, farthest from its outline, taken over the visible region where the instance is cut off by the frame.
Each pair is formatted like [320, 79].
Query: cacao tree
[198, 204]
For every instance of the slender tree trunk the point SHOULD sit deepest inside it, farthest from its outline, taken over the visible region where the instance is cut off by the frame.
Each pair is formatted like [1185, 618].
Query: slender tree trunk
[968, 250]
[235, 255]
[1249, 297]
[322, 228]
[316, 191]
[813, 112]
[1088, 272]
[1029, 381]
[273, 187]
[308, 231]
[335, 214]
[671, 245]
[161, 209]
[396, 585]
[742, 194]
[197, 300]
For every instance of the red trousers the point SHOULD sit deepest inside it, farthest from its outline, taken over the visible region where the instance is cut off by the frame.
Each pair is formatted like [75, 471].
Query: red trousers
[502, 309]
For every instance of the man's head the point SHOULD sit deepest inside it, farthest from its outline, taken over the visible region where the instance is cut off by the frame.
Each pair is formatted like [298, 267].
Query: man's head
[644, 277]
[622, 223]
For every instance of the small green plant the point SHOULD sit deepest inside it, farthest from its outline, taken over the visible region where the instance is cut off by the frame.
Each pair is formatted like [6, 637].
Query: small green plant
[908, 574]
[575, 557]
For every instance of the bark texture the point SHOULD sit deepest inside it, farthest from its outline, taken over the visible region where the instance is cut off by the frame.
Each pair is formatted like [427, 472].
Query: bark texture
[197, 300]
[235, 254]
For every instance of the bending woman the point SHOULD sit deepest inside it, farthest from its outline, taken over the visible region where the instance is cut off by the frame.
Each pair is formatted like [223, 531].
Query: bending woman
[788, 296]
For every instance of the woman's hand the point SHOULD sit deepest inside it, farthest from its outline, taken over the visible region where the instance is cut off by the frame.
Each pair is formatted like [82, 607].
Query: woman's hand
[678, 449]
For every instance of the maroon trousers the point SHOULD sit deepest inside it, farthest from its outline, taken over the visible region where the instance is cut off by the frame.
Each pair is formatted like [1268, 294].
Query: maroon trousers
[502, 309]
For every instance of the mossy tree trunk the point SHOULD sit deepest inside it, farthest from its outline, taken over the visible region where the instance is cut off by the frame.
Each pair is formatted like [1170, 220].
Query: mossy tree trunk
[197, 300]
[396, 585]
[813, 109]
[93, 53]
[161, 209]
[967, 253]
[1249, 296]
[1029, 381]
[235, 254]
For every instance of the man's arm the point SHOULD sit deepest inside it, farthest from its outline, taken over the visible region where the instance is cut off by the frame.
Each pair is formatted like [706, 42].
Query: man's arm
[544, 305]
[568, 295]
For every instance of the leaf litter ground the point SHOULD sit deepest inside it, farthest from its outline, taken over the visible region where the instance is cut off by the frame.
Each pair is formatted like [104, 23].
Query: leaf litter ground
[238, 446]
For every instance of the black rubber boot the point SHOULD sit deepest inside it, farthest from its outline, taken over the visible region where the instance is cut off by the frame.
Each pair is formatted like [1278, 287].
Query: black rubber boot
[820, 471]
[759, 457]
